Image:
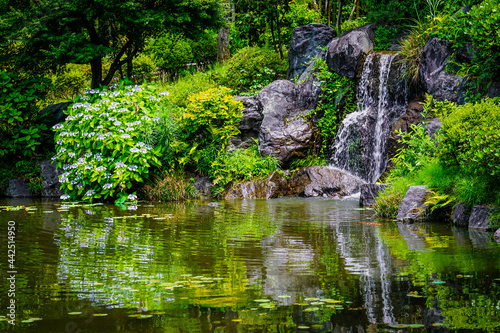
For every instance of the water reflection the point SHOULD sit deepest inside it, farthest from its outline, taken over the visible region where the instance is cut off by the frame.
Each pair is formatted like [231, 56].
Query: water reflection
[248, 265]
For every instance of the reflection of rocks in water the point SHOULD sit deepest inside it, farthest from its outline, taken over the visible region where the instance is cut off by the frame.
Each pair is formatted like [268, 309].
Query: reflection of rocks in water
[352, 321]
[461, 236]
[433, 316]
[480, 239]
[413, 236]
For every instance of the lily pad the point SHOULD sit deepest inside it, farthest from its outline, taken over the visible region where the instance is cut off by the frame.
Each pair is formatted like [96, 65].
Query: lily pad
[74, 313]
[262, 300]
[100, 314]
[284, 296]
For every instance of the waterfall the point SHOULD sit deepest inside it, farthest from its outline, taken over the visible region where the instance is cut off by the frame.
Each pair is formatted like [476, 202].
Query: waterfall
[360, 144]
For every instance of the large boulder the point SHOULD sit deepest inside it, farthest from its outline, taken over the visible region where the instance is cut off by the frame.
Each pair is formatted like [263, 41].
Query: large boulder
[18, 188]
[320, 181]
[345, 54]
[54, 113]
[286, 131]
[436, 81]
[305, 45]
[480, 217]
[50, 176]
[369, 192]
[496, 236]
[250, 122]
[413, 207]
[273, 186]
[461, 214]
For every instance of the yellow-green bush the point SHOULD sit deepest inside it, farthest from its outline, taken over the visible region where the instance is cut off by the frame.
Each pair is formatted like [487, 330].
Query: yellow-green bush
[206, 125]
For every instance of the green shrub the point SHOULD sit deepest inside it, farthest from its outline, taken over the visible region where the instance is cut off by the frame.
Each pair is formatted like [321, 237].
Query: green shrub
[388, 201]
[240, 165]
[470, 138]
[98, 145]
[69, 81]
[253, 68]
[20, 125]
[384, 36]
[206, 125]
[173, 186]
[479, 27]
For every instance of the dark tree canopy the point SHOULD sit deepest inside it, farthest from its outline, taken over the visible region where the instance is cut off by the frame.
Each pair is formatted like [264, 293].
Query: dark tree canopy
[37, 35]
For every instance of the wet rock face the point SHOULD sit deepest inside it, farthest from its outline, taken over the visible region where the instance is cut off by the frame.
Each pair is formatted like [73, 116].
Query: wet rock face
[203, 186]
[320, 181]
[51, 184]
[315, 181]
[413, 207]
[461, 214]
[436, 81]
[304, 46]
[18, 189]
[250, 122]
[286, 131]
[480, 217]
[345, 54]
[273, 186]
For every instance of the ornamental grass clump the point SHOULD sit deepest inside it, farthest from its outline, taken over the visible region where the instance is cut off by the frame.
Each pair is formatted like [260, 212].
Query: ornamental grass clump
[99, 145]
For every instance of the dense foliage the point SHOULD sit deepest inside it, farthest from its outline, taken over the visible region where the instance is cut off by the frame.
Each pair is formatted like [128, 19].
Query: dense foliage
[20, 125]
[253, 68]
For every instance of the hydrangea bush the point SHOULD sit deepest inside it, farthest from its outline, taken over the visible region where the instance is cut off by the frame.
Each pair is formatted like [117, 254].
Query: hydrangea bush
[99, 145]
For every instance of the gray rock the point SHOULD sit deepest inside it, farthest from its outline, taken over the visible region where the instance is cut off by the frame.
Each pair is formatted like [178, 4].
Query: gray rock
[433, 126]
[55, 113]
[304, 45]
[345, 54]
[461, 214]
[250, 123]
[214, 204]
[204, 187]
[496, 236]
[480, 217]
[321, 181]
[369, 192]
[273, 186]
[51, 185]
[18, 189]
[480, 239]
[434, 77]
[412, 208]
[494, 90]
[286, 131]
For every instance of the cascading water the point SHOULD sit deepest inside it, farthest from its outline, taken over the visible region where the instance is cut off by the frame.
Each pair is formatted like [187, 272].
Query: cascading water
[360, 144]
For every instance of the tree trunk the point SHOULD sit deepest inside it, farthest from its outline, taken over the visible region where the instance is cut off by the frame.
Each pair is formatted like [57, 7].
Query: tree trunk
[272, 35]
[329, 11]
[339, 17]
[354, 6]
[223, 45]
[96, 69]
[280, 46]
[130, 68]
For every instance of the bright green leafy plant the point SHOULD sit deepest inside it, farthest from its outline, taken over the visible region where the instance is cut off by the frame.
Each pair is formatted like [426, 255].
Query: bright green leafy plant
[240, 165]
[206, 125]
[99, 144]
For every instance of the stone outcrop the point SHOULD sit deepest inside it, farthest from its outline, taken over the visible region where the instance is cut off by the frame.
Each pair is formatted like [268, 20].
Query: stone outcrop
[497, 235]
[286, 131]
[250, 122]
[369, 192]
[315, 181]
[436, 81]
[320, 181]
[55, 113]
[273, 186]
[413, 207]
[345, 54]
[18, 188]
[479, 217]
[461, 214]
[305, 45]
[51, 184]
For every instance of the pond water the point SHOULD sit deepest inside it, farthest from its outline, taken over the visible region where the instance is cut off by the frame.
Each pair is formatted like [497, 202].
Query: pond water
[282, 265]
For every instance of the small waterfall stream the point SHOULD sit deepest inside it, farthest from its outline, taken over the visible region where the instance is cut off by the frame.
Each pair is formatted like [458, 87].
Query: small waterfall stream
[360, 144]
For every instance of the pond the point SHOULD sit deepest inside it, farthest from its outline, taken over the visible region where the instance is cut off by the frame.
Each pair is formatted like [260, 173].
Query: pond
[281, 265]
